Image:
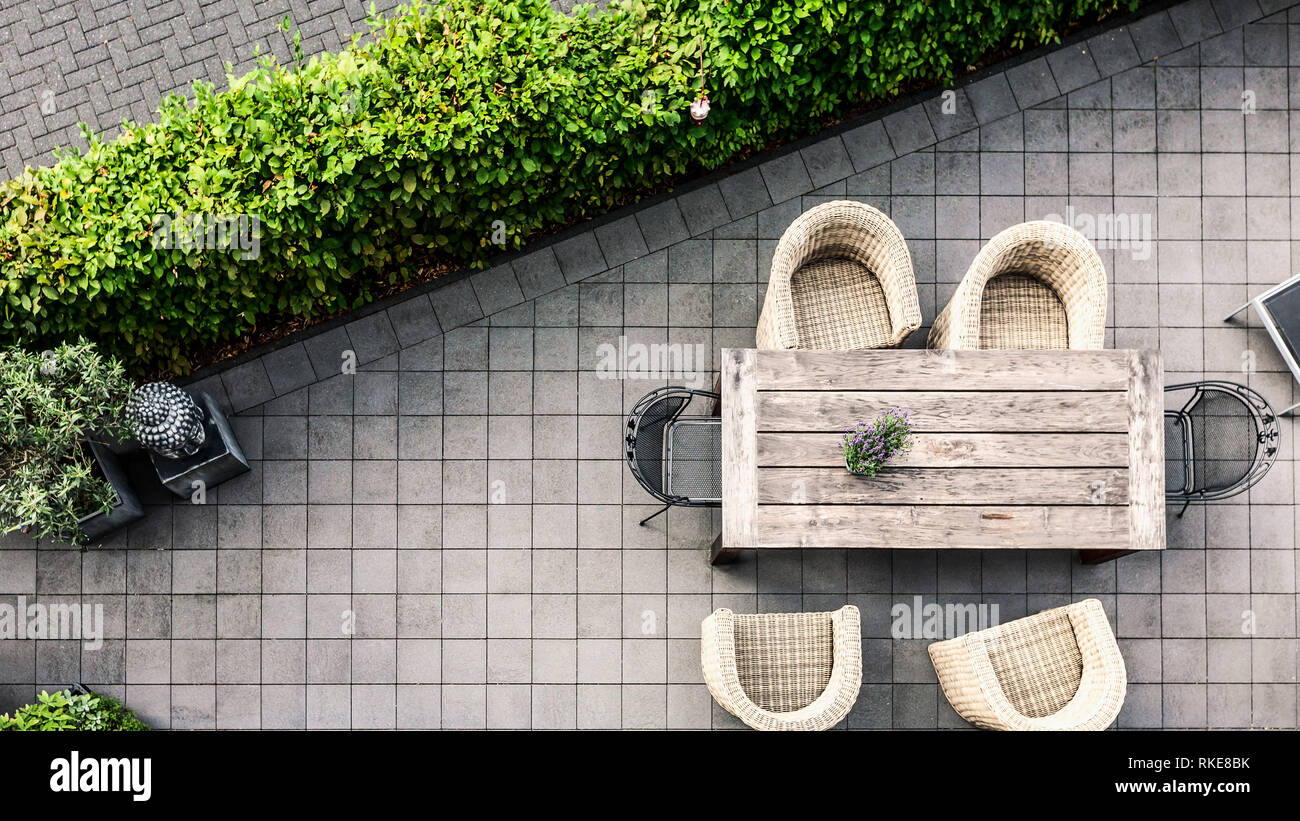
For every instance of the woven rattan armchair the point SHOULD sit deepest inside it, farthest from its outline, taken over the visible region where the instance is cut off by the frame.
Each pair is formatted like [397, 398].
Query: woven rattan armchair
[841, 279]
[784, 671]
[1037, 285]
[1057, 670]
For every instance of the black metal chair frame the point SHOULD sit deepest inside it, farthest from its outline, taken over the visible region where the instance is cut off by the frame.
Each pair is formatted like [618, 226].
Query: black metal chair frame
[1267, 432]
[633, 429]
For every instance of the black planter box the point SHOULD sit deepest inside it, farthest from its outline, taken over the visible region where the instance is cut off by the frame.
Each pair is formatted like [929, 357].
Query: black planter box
[127, 509]
[219, 459]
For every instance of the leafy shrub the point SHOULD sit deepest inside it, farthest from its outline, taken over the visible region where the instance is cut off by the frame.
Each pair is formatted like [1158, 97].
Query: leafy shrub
[49, 402]
[65, 710]
[408, 145]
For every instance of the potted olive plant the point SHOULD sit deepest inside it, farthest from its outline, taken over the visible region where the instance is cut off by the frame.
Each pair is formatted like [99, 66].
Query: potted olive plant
[59, 412]
[869, 446]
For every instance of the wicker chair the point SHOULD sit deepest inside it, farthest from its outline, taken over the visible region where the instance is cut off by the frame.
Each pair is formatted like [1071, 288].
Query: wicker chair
[1057, 670]
[841, 279]
[784, 671]
[1037, 285]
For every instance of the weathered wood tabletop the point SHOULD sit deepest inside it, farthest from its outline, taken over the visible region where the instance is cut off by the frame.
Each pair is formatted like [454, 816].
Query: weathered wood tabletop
[1012, 449]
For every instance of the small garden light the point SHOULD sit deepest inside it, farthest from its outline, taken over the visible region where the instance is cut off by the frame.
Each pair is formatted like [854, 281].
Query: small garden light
[700, 109]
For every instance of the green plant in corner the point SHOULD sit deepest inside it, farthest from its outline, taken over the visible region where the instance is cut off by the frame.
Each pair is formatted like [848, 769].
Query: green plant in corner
[64, 710]
[50, 402]
[50, 713]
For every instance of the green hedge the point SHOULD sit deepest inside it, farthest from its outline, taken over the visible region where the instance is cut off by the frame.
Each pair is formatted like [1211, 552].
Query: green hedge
[360, 164]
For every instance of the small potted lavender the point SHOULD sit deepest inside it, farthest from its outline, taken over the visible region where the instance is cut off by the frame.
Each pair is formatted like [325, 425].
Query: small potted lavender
[869, 446]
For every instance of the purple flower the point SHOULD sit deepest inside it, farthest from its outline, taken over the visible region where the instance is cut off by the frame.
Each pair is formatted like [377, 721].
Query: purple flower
[868, 447]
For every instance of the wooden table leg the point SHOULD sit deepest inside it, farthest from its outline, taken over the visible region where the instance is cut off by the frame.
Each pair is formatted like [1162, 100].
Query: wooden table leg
[721, 555]
[1099, 556]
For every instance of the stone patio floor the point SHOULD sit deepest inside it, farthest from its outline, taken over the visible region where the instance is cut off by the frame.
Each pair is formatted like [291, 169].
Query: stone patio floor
[449, 538]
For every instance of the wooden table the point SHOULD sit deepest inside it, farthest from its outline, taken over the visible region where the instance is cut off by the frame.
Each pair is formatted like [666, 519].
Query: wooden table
[1013, 449]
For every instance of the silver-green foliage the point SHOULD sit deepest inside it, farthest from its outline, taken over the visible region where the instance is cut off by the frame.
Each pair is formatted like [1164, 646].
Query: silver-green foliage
[50, 402]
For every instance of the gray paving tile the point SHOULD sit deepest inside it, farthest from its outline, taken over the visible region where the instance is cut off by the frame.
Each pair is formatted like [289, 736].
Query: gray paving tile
[1233, 15]
[1178, 87]
[496, 288]
[1114, 51]
[455, 304]
[1133, 89]
[1032, 83]
[872, 182]
[868, 145]
[991, 98]
[744, 193]
[909, 129]
[575, 258]
[703, 209]
[662, 225]
[951, 113]
[333, 395]
[786, 177]
[326, 351]
[912, 174]
[1006, 134]
[1194, 21]
[288, 369]
[827, 161]
[1228, 706]
[329, 437]
[1072, 67]
[1273, 705]
[413, 320]
[540, 273]
[372, 337]
[376, 393]
[1185, 705]
[690, 261]
[620, 241]
[652, 267]
[743, 228]
[1264, 45]
[1155, 36]
[248, 385]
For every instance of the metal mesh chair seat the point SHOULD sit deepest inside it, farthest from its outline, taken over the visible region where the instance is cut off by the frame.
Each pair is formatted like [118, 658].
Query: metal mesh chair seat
[695, 459]
[1224, 441]
[676, 458]
[1220, 443]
